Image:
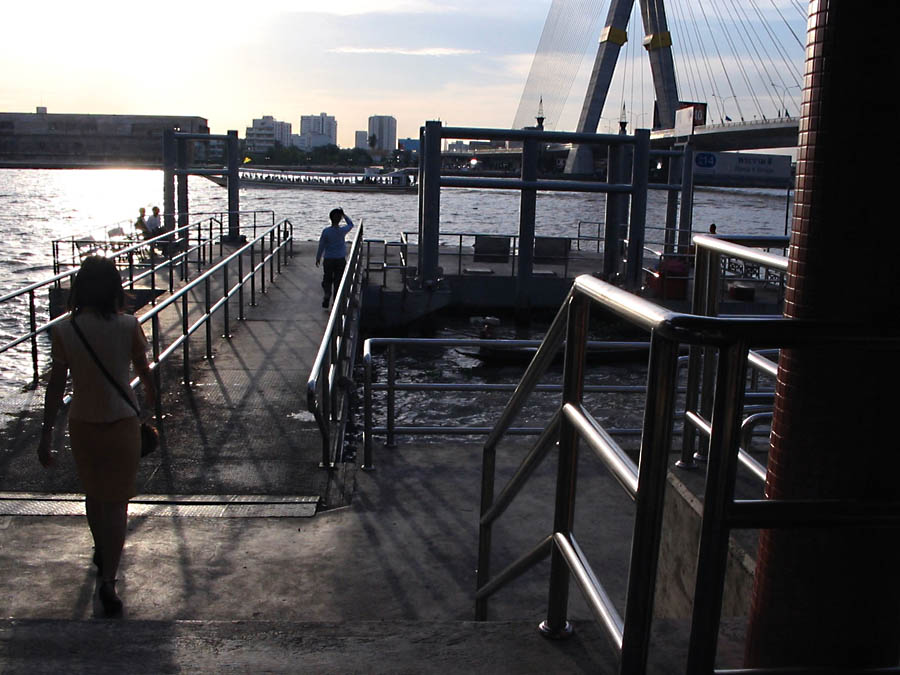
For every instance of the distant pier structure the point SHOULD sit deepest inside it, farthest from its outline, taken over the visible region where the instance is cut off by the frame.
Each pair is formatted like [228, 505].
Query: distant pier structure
[63, 140]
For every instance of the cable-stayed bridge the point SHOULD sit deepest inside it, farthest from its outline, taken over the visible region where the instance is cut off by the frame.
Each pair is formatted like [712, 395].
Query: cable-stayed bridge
[739, 63]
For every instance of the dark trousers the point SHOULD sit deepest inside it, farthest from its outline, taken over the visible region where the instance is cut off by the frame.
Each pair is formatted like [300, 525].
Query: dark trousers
[333, 270]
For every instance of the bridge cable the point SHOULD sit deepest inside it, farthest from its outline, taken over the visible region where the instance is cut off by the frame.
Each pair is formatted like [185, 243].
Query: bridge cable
[802, 10]
[744, 30]
[740, 64]
[706, 62]
[788, 64]
[722, 61]
[778, 71]
[695, 85]
[569, 27]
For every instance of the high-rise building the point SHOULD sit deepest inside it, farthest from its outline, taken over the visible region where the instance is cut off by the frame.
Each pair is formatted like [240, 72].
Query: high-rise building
[362, 140]
[316, 130]
[384, 129]
[266, 132]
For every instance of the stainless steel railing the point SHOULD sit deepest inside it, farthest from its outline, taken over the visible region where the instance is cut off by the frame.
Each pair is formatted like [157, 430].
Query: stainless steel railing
[330, 380]
[138, 262]
[391, 386]
[644, 481]
[272, 248]
[701, 363]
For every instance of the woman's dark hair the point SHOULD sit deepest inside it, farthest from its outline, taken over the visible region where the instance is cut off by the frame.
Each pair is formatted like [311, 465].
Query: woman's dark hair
[97, 285]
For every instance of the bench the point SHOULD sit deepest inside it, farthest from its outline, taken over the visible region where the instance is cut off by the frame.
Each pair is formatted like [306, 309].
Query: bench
[551, 250]
[489, 248]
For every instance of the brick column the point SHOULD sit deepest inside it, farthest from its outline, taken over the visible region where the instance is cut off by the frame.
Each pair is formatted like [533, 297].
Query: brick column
[832, 597]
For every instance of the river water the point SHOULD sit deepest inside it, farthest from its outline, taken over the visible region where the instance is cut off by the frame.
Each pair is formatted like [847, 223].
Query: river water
[38, 206]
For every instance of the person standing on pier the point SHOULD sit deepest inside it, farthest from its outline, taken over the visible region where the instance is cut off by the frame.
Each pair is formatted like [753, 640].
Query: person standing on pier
[141, 223]
[334, 249]
[153, 223]
[104, 428]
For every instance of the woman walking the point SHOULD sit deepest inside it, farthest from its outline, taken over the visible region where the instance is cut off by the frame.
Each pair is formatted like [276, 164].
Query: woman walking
[103, 427]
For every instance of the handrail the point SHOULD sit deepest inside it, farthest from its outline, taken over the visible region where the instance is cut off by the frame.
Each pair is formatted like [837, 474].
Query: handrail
[334, 361]
[284, 233]
[392, 386]
[709, 250]
[179, 253]
[280, 250]
[645, 480]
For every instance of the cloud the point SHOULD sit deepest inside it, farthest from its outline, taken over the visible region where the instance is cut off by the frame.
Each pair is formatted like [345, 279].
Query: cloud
[403, 51]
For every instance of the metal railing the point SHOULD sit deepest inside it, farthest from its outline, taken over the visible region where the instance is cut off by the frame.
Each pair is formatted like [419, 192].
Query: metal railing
[138, 262]
[273, 247]
[701, 363]
[644, 481]
[330, 380]
[391, 386]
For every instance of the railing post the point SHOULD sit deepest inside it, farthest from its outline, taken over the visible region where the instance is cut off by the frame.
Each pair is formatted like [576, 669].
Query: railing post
[280, 249]
[391, 378]
[367, 414]
[712, 556]
[685, 222]
[152, 277]
[157, 375]
[225, 313]
[708, 374]
[131, 270]
[662, 378]
[32, 323]
[272, 256]
[692, 390]
[186, 344]
[171, 266]
[234, 193]
[241, 287]
[429, 217]
[527, 202]
[616, 220]
[262, 264]
[556, 625]
[676, 168]
[335, 359]
[483, 572]
[253, 273]
[207, 304]
[639, 182]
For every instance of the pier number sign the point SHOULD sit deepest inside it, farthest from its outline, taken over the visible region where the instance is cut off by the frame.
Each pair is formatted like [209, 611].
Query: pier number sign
[734, 165]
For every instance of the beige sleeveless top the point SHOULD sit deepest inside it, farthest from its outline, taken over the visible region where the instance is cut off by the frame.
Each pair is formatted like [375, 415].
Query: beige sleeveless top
[116, 341]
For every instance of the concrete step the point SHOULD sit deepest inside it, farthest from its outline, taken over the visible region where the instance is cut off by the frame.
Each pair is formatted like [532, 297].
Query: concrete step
[36, 646]
[117, 646]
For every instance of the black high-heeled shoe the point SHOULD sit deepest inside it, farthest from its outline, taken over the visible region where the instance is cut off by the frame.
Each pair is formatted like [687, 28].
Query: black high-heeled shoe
[112, 604]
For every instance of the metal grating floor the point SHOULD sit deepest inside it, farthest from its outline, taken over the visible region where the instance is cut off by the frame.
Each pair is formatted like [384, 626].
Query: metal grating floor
[177, 506]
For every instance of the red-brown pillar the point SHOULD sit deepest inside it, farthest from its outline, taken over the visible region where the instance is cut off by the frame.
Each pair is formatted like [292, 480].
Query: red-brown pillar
[832, 597]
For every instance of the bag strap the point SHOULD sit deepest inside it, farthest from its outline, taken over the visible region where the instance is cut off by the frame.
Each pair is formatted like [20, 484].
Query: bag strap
[103, 369]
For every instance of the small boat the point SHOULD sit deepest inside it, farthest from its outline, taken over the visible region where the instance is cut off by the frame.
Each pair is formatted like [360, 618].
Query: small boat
[598, 353]
[400, 182]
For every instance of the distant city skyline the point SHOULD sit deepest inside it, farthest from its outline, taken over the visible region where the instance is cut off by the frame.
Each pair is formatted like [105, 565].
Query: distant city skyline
[415, 60]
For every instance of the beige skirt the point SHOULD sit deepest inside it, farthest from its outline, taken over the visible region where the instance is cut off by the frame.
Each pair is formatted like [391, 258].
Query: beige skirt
[106, 456]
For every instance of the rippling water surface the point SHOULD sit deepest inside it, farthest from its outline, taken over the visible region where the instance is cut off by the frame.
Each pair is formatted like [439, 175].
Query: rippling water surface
[38, 206]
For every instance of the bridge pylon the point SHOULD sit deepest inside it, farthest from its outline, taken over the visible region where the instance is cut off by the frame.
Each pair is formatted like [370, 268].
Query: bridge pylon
[658, 43]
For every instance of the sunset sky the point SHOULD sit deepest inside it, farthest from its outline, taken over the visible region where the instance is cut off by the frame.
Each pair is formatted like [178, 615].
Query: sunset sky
[464, 62]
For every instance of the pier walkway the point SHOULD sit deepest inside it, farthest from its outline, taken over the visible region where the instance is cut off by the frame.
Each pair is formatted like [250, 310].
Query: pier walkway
[214, 584]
